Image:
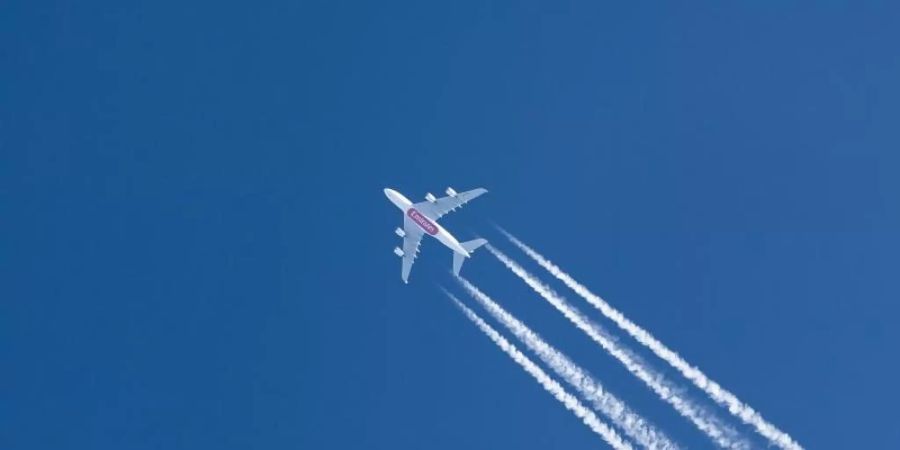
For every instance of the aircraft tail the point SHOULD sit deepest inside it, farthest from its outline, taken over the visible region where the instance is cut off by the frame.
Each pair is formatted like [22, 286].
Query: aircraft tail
[469, 246]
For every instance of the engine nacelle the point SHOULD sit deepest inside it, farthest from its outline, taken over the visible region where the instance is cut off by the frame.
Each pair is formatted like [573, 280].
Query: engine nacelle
[451, 192]
[430, 197]
[398, 252]
[400, 232]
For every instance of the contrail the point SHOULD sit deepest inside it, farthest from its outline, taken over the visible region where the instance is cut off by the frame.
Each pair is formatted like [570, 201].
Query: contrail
[633, 424]
[552, 386]
[704, 420]
[719, 394]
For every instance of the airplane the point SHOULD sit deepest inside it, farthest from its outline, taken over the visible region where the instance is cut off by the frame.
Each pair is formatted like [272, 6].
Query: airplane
[421, 218]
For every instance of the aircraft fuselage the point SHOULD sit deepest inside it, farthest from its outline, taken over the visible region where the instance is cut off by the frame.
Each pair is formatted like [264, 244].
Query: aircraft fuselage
[427, 224]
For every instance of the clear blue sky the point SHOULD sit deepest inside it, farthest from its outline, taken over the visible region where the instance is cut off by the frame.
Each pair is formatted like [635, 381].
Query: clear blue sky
[195, 250]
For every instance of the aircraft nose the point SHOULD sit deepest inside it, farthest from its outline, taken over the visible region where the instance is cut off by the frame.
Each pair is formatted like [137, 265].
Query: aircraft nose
[392, 195]
[396, 198]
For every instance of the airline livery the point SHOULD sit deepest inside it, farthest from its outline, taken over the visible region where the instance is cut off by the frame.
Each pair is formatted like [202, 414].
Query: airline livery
[421, 218]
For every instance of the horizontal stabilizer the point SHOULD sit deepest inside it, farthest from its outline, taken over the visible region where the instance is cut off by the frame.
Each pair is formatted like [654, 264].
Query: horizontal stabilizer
[469, 246]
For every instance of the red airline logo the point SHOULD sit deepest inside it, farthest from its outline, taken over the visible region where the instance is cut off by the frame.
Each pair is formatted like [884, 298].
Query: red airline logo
[420, 220]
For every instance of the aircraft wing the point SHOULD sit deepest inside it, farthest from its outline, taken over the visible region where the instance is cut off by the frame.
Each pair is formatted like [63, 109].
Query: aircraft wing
[435, 210]
[410, 245]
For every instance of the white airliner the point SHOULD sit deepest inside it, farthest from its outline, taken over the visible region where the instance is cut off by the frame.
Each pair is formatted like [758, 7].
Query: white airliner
[421, 218]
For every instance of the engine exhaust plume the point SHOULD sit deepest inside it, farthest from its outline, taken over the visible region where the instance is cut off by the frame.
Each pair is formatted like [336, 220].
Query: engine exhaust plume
[605, 402]
[703, 419]
[716, 392]
[549, 384]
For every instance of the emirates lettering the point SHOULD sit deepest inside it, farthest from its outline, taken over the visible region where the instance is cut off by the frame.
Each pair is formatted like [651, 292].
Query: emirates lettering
[421, 221]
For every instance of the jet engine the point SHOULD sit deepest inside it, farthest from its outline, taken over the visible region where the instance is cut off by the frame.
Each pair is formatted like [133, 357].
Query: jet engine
[398, 252]
[430, 197]
[400, 232]
[451, 192]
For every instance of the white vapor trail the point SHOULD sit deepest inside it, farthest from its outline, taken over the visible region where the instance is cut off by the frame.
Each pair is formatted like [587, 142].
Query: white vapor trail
[552, 386]
[716, 392]
[705, 421]
[633, 424]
